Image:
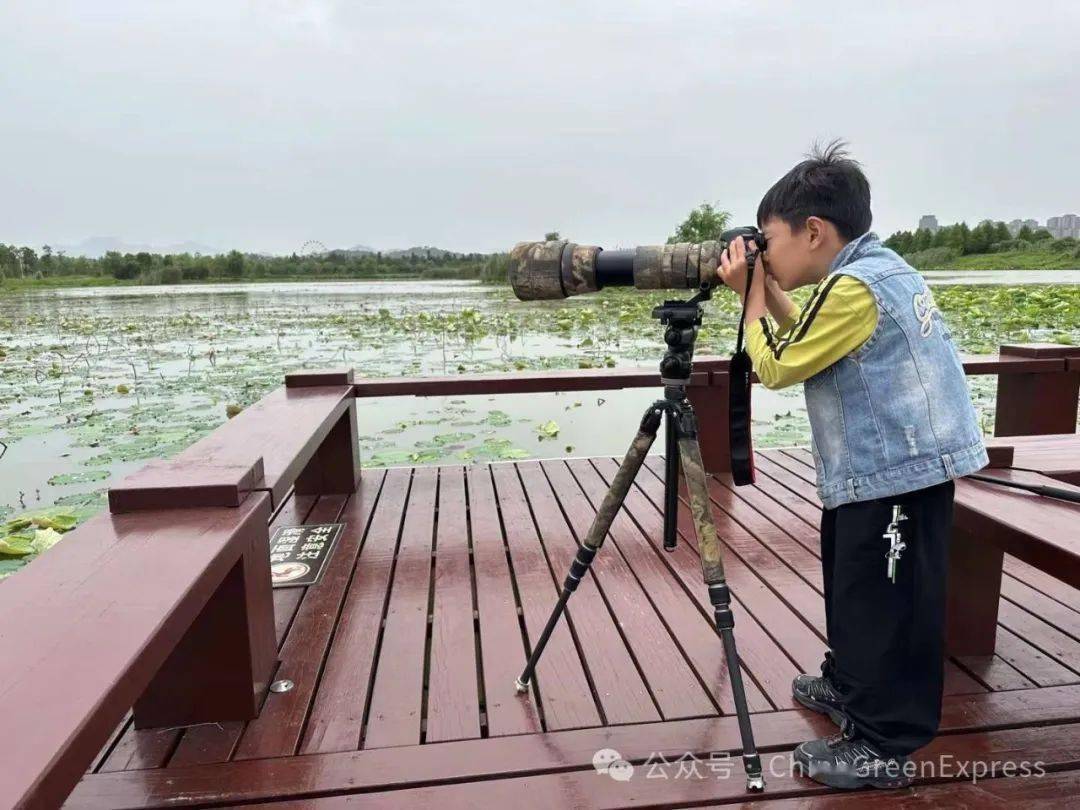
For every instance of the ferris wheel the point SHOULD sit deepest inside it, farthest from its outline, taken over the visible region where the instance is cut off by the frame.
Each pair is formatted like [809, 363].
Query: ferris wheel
[312, 247]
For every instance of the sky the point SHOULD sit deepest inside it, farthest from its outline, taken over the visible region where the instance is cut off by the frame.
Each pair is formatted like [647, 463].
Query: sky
[473, 125]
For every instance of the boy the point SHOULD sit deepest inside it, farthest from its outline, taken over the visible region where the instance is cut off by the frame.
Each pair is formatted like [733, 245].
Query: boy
[892, 425]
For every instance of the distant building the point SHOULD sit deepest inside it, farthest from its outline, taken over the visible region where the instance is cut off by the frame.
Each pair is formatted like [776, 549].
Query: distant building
[928, 222]
[1064, 226]
[1015, 226]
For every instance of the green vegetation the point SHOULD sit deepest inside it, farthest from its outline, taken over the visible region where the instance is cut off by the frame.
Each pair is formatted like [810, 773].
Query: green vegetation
[987, 246]
[23, 267]
[704, 223]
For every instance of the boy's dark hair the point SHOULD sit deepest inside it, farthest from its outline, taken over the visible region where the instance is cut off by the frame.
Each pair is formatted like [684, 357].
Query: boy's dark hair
[828, 184]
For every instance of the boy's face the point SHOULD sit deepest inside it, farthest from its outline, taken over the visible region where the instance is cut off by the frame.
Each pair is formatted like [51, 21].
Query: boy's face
[794, 257]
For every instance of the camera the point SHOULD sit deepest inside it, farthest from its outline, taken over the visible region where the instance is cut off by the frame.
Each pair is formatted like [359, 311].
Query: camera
[559, 269]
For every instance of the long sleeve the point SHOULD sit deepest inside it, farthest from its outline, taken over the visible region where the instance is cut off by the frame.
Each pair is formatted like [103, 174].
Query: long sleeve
[837, 319]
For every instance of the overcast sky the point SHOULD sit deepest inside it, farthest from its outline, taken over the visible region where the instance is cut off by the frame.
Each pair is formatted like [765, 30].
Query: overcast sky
[473, 125]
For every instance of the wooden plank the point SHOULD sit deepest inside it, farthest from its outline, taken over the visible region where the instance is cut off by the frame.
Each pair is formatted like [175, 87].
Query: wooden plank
[217, 742]
[502, 649]
[808, 590]
[1056, 455]
[673, 582]
[116, 644]
[619, 685]
[1031, 661]
[564, 689]
[277, 729]
[550, 753]
[335, 722]
[773, 640]
[319, 377]
[169, 484]
[1051, 611]
[1038, 530]
[1062, 648]
[677, 689]
[1046, 583]
[151, 748]
[397, 693]
[287, 426]
[453, 701]
[1058, 749]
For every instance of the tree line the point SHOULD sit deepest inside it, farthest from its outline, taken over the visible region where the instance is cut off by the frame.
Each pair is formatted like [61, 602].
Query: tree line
[156, 268]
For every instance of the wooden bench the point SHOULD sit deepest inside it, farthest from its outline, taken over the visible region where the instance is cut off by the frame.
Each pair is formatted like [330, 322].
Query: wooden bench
[991, 521]
[164, 604]
[166, 611]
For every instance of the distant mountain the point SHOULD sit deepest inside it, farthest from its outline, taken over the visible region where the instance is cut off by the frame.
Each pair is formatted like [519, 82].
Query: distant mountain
[97, 246]
[421, 252]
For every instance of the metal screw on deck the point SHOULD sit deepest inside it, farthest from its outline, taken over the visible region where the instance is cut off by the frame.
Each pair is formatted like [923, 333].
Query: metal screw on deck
[682, 319]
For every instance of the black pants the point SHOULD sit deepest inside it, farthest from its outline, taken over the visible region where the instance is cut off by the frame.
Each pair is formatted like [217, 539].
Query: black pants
[887, 639]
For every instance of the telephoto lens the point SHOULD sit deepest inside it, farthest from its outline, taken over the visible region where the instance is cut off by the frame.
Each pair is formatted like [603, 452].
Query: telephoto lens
[559, 269]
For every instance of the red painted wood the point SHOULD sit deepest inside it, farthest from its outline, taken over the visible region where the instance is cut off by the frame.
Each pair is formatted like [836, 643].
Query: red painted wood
[1062, 647]
[150, 748]
[561, 681]
[502, 649]
[453, 702]
[552, 752]
[335, 465]
[319, 377]
[672, 637]
[171, 484]
[620, 687]
[1038, 530]
[336, 719]
[973, 593]
[673, 583]
[1030, 660]
[1055, 748]
[286, 427]
[1055, 455]
[769, 634]
[277, 729]
[398, 690]
[115, 644]
[804, 595]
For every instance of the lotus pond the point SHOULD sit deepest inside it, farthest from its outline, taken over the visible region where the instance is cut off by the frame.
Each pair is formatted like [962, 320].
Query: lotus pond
[96, 381]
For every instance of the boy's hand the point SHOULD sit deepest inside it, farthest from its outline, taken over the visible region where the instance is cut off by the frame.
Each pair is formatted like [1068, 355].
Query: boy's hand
[733, 267]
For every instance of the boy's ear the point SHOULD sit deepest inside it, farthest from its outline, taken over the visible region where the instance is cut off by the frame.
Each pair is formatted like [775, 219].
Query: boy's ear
[815, 231]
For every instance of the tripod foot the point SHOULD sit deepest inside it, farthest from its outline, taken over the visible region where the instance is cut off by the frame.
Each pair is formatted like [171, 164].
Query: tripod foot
[521, 686]
[754, 779]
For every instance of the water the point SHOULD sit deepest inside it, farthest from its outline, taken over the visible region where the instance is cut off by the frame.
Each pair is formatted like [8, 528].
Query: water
[96, 381]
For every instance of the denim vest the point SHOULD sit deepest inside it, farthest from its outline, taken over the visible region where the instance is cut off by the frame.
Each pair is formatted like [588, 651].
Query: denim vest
[895, 415]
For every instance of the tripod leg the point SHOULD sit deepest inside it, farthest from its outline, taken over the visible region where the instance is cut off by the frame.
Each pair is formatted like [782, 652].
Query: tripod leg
[605, 514]
[712, 567]
[671, 482]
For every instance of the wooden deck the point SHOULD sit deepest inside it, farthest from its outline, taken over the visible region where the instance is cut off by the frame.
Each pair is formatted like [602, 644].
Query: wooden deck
[404, 657]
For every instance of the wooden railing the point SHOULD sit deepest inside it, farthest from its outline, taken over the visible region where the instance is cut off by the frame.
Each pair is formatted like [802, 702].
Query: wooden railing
[163, 603]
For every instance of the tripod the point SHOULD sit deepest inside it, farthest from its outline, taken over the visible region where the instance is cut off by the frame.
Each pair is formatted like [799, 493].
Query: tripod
[682, 319]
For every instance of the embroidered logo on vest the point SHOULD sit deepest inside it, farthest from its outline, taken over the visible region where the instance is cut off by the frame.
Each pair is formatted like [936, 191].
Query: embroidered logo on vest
[924, 306]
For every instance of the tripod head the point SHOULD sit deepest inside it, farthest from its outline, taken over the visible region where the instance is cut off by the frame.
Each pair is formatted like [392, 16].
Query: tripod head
[682, 319]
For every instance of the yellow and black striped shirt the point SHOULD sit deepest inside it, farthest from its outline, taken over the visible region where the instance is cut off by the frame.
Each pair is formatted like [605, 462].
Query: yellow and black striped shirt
[836, 320]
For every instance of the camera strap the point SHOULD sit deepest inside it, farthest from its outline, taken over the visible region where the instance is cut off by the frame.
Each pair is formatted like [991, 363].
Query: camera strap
[739, 370]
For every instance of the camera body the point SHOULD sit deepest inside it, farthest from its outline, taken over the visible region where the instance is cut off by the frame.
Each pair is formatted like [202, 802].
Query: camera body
[750, 235]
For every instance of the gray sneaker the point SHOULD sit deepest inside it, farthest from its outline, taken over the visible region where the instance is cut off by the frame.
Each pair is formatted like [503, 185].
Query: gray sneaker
[819, 694]
[847, 760]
